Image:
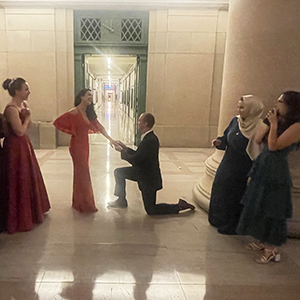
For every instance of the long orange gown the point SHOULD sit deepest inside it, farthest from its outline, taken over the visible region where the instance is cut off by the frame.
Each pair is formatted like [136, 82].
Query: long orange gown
[78, 128]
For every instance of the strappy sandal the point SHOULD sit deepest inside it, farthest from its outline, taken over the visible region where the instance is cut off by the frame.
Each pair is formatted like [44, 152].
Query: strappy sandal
[255, 246]
[274, 256]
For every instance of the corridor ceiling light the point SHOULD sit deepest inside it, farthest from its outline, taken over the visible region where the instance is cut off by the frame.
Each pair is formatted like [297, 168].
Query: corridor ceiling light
[108, 62]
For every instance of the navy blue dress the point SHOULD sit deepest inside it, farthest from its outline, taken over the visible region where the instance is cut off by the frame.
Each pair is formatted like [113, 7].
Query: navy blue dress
[230, 180]
[267, 200]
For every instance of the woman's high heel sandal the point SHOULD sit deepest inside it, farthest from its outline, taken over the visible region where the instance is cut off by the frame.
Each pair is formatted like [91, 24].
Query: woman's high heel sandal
[274, 256]
[255, 246]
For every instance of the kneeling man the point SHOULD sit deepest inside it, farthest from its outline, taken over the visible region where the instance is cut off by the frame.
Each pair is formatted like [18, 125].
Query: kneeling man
[145, 170]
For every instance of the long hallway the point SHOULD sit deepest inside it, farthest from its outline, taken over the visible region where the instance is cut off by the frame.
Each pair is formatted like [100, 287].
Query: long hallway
[125, 254]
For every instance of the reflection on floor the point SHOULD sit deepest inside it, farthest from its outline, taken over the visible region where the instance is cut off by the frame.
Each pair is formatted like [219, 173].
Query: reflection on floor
[116, 122]
[125, 254]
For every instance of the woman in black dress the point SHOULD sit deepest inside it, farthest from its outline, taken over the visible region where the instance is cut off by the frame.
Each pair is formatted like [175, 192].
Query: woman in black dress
[267, 200]
[231, 177]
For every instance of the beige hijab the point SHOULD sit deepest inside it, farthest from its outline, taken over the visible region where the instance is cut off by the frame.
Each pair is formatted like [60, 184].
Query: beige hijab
[254, 109]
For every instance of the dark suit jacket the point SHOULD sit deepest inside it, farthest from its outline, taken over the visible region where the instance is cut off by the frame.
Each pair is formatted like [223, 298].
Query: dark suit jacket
[145, 162]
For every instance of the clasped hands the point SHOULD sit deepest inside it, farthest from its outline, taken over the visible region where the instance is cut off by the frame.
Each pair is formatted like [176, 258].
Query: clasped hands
[119, 146]
[25, 112]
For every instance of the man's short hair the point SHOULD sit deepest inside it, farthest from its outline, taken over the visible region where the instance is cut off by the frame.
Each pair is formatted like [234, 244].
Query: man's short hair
[149, 119]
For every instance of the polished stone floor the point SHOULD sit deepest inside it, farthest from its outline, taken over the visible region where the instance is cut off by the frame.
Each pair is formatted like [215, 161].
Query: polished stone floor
[125, 254]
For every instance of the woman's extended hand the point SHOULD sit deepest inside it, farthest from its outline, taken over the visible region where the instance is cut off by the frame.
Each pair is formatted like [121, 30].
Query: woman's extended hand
[122, 145]
[113, 143]
[118, 148]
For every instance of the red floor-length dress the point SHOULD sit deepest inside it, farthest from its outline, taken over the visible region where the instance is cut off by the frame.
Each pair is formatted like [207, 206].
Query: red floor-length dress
[27, 195]
[78, 128]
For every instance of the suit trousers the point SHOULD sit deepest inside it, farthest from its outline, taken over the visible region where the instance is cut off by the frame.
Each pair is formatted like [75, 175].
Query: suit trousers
[148, 193]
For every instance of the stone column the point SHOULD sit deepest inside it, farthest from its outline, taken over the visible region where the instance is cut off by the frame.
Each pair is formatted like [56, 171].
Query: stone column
[262, 57]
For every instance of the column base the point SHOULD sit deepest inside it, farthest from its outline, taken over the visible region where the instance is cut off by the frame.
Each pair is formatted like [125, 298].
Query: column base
[294, 223]
[202, 190]
[42, 135]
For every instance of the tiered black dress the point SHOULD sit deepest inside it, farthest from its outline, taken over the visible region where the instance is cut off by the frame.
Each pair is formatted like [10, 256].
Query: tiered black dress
[267, 200]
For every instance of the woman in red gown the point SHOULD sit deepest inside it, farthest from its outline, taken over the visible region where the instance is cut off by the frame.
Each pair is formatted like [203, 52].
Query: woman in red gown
[27, 196]
[78, 122]
[3, 185]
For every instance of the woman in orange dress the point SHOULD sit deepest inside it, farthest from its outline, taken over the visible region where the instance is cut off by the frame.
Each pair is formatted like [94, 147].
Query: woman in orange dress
[27, 196]
[78, 122]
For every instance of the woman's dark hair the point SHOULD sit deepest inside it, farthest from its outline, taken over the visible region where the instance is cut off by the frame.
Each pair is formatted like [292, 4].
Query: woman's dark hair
[292, 101]
[90, 111]
[13, 85]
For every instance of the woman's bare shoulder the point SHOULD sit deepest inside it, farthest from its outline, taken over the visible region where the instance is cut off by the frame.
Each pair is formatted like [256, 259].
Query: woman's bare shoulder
[12, 108]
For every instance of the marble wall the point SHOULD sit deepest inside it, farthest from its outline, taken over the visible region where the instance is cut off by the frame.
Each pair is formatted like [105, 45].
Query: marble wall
[37, 44]
[185, 65]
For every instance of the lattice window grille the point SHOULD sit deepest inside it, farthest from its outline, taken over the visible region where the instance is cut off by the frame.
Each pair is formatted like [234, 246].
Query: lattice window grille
[90, 29]
[131, 30]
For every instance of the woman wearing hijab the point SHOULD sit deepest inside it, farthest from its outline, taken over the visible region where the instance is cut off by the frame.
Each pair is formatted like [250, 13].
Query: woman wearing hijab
[231, 177]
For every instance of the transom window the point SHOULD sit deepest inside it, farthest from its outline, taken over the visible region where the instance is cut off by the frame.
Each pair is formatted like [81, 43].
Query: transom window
[131, 30]
[90, 29]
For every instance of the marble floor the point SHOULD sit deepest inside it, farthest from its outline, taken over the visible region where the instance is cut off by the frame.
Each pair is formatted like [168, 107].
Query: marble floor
[126, 254]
